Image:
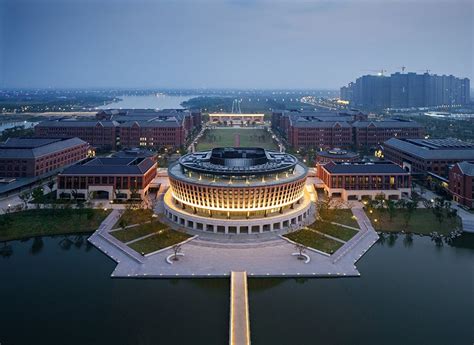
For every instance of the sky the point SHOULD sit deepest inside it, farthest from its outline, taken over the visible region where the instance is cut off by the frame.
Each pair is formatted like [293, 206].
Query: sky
[230, 43]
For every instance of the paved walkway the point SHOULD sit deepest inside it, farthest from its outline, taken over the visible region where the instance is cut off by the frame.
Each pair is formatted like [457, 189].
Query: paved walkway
[205, 258]
[239, 326]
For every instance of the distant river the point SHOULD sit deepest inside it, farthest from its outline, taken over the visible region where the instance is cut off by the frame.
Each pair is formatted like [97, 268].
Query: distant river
[158, 101]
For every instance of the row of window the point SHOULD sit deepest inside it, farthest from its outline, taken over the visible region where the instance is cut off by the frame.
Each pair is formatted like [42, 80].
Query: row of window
[239, 197]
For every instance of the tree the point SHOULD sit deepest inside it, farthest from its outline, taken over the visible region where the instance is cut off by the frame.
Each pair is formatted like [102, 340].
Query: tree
[123, 224]
[176, 250]
[411, 206]
[324, 208]
[379, 202]
[392, 209]
[25, 197]
[37, 196]
[438, 209]
[301, 250]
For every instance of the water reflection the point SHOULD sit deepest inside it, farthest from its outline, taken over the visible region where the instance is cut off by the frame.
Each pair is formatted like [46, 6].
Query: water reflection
[408, 240]
[37, 245]
[6, 250]
[392, 238]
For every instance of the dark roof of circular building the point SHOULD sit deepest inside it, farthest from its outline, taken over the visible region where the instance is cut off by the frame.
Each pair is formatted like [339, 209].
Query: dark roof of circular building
[238, 161]
[337, 153]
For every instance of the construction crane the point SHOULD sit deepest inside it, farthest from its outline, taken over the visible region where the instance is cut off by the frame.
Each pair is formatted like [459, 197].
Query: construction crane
[403, 68]
[424, 70]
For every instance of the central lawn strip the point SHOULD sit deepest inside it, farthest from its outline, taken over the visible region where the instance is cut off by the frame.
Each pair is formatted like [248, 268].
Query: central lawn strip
[137, 216]
[135, 232]
[314, 240]
[343, 216]
[44, 222]
[337, 231]
[162, 239]
[225, 137]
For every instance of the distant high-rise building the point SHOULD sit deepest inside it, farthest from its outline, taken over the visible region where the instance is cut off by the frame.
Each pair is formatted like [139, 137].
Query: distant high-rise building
[407, 90]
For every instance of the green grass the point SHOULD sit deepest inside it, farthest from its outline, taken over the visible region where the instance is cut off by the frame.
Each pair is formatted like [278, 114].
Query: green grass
[219, 137]
[423, 221]
[130, 234]
[342, 216]
[337, 231]
[163, 239]
[314, 240]
[138, 216]
[46, 222]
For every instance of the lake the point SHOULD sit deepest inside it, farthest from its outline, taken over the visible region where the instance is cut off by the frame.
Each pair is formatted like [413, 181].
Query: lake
[56, 291]
[158, 101]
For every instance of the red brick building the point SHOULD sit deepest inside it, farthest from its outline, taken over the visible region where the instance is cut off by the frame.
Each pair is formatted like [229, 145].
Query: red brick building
[356, 181]
[107, 178]
[319, 134]
[128, 128]
[373, 133]
[340, 129]
[100, 134]
[152, 134]
[30, 157]
[461, 184]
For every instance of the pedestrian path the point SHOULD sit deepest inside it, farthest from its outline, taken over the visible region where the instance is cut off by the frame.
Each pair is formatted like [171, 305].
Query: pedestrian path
[239, 325]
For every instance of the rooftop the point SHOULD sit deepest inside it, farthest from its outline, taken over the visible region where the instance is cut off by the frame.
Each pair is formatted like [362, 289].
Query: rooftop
[434, 148]
[36, 147]
[389, 123]
[361, 168]
[246, 167]
[337, 152]
[467, 168]
[77, 123]
[111, 166]
[238, 161]
[134, 152]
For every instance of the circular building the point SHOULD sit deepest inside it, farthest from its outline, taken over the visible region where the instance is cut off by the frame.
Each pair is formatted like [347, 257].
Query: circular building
[237, 190]
[336, 155]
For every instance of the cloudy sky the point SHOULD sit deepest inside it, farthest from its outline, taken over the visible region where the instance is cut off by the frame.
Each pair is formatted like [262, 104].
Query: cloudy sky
[229, 44]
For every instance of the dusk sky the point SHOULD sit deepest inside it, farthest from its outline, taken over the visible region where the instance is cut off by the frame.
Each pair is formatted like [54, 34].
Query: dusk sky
[228, 44]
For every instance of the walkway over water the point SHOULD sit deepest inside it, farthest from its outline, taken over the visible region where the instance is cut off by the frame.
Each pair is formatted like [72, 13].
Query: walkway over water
[239, 332]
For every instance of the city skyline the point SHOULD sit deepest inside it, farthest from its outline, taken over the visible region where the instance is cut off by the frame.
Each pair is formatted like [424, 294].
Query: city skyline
[84, 44]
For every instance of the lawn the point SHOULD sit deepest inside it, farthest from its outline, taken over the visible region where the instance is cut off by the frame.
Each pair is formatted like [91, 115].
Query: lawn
[342, 216]
[130, 234]
[163, 239]
[227, 137]
[43, 222]
[337, 231]
[314, 240]
[137, 216]
[423, 221]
